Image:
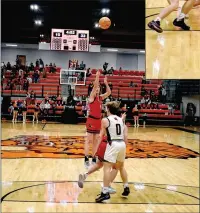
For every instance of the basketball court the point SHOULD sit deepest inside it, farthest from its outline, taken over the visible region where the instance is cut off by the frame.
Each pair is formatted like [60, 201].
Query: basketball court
[41, 164]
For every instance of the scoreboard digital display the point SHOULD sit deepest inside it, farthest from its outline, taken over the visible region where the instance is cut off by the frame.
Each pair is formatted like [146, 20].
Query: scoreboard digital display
[70, 40]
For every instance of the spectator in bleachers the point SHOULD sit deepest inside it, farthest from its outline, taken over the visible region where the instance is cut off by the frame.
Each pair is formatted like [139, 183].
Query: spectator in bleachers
[52, 69]
[41, 65]
[77, 67]
[164, 95]
[8, 67]
[47, 107]
[105, 66]
[142, 102]
[82, 66]
[143, 79]
[54, 105]
[45, 72]
[120, 69]
[8, 85]
[131, 84]
[110, 71]
[31, 67]
[28, 99]
[36, 76]
[90, 87]
[37, 63]
[32, 97]
[110, 85]
[25, 84]
[88, 73]
[18, 62]
[59, 100]
[19, 84]
[171, 109]
[20, 73]
[29, 79]
[143, 91]
[135, 112]
[81, 76]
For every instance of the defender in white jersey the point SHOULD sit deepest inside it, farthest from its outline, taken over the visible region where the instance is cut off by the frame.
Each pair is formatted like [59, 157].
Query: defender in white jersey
[115, 149]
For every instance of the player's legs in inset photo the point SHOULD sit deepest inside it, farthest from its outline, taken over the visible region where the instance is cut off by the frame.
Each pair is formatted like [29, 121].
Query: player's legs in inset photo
[155, 24]
[179, 21]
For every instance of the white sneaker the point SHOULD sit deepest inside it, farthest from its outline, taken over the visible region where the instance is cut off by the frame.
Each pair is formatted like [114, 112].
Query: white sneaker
[37, 121]
[81, 180]
[138, 125]
[135, 125]
[15, 121]
[111, 190]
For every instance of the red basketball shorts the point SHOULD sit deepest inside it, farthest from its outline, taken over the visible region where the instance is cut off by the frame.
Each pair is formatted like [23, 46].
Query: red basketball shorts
[101, 149]
[93, 125]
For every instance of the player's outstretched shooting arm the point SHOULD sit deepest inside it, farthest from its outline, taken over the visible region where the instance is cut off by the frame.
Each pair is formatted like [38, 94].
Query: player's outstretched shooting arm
[96, 84]
[108, 91]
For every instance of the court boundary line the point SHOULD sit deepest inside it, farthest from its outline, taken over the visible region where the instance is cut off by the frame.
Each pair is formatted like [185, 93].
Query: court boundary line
[97, 181]
[19, 189]
[24, 201]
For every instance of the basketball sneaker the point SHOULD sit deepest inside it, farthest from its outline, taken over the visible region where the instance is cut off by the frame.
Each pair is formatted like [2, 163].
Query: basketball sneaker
[181, 24]
[126, 192]
[94, 160]
[155, 25]
[101, 197]
[81, 180]
[111, 190]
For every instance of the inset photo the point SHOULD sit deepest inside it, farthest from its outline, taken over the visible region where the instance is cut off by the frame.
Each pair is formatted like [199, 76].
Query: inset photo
[173, 55]
[164, 15]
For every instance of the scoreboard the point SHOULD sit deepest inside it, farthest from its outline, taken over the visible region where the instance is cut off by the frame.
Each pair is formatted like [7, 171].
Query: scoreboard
[70, 40]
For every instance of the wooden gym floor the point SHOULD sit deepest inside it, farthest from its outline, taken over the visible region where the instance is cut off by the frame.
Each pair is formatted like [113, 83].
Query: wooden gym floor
[41, 164]
[172, 55]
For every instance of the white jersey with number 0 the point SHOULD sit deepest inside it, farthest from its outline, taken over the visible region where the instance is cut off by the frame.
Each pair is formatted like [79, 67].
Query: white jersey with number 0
[115, 130]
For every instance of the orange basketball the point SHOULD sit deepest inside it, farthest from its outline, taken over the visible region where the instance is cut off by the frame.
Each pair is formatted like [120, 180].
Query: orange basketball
[104, 23]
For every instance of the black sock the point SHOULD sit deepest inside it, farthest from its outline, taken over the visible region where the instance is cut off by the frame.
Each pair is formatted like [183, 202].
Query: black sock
[158, 22]
[86, 158]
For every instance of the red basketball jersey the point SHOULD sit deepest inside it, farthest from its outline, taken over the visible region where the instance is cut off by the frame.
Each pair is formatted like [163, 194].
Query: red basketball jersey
[95, 107]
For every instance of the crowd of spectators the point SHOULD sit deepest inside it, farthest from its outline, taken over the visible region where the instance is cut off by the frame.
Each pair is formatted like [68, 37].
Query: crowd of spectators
[22, 76]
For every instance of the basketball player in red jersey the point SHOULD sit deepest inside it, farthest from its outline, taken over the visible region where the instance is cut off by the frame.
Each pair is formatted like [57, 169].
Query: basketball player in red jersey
[93, 123]
[179, 22]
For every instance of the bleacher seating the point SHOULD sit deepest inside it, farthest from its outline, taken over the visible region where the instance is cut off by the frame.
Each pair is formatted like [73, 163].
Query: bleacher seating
[120, 81]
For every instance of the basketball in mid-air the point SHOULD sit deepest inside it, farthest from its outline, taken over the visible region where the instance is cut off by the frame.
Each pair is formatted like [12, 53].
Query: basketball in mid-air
[104, 23]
